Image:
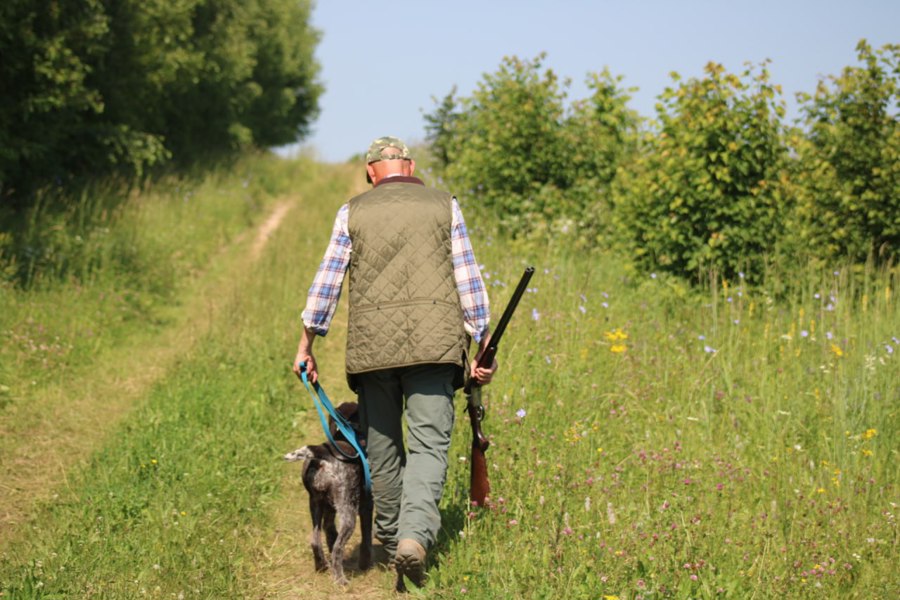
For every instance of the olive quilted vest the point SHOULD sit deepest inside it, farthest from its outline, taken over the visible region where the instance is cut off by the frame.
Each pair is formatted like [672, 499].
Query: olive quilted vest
[404, 304]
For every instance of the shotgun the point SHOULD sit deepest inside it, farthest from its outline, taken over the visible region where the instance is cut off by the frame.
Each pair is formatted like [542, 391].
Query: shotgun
[479, 486]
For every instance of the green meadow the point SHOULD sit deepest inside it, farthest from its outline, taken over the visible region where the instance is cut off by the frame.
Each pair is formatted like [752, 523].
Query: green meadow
[649, 439]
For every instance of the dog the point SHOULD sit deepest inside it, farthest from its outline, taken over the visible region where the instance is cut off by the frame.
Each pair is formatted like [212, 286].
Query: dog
[336, 487]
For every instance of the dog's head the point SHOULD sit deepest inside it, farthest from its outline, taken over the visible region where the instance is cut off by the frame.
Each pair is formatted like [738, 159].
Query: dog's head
[350, 412]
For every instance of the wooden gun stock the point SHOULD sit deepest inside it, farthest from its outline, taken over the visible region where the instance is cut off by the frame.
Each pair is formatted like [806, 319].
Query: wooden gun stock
[479, 485]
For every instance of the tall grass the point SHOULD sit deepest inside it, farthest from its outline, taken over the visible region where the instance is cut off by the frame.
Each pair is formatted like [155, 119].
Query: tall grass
[78, 274]
[655, 442]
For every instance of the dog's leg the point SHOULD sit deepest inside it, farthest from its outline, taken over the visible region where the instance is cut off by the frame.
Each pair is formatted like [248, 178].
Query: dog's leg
[347, 521]
[316, 510]
[365, 526]
[330, 530]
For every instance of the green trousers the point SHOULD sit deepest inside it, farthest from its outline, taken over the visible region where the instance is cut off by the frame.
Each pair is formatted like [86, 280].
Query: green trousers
[407, 483]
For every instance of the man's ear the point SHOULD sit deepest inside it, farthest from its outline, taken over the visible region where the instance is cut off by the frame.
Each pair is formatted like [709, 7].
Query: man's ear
[412, 166]
[370, 170]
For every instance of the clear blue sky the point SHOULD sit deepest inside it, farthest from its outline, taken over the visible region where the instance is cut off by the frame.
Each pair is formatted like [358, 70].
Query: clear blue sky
[383, 62]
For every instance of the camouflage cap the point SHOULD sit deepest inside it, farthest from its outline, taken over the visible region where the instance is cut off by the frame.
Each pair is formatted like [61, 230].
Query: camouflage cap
[386, 148]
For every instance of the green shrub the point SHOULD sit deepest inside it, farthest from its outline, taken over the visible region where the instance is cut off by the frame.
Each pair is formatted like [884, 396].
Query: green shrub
[705, 191]
[848, 162]
[522, 153]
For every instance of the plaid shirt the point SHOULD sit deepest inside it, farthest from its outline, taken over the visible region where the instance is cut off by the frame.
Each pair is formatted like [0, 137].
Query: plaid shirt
[325, 291]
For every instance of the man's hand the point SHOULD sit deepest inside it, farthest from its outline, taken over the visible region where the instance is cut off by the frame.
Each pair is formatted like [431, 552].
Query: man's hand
[305, 355]
[483, 375]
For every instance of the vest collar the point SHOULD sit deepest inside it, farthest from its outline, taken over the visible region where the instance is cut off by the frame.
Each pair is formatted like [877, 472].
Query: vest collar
[400, 179]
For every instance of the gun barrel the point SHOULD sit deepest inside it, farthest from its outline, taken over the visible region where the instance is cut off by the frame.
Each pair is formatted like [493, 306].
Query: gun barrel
[488, 357]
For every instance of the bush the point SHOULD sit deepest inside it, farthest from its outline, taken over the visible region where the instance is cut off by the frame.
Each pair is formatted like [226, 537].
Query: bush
[705, 191]
[534, 162]
[848, 163]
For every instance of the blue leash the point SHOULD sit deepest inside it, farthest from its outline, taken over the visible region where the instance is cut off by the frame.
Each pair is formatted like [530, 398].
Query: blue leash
[320, 399]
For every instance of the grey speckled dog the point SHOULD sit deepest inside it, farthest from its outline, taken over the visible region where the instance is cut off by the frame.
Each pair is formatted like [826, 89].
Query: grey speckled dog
[336, 488]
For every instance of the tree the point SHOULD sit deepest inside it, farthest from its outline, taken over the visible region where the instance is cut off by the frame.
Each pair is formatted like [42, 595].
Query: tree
[99, 86]
[526, 155]
[848, 167]
[705, 191]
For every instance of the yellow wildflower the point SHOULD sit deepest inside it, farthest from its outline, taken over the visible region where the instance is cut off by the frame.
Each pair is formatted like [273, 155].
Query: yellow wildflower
[867, 452]
[618, 348]
[870, 433]
[616, 336]
[837, 350]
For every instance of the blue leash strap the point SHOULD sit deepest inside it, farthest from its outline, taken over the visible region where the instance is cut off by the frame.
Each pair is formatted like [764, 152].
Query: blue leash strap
[320, 399]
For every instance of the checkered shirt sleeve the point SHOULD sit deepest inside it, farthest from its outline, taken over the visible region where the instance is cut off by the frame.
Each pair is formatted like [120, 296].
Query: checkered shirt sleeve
[325, 291]
[472, 293]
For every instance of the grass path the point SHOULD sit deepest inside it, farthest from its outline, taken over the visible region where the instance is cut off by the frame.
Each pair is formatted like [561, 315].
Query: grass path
[61, 426]
[283, 567]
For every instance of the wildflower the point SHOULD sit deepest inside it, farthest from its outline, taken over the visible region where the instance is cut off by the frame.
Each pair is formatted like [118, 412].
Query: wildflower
[709, 349]
[829, 335]
[615, 336]
[817, 295]
[520, 413]
[837, 350]
[604, 304]
[582, 309]
[741, 274]
[889, 348]
[867, 452]
[583, 297]
[701, 337]
[618, 348]
[535, 315]
[547, 360]
[652, 275]
[512, 522]
[804, 333]
[870, 433]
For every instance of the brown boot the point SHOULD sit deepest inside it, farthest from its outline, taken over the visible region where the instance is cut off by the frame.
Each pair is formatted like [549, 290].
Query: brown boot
[410, 561]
